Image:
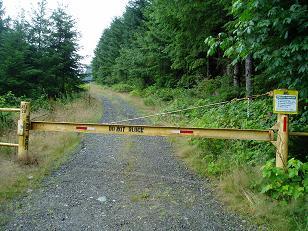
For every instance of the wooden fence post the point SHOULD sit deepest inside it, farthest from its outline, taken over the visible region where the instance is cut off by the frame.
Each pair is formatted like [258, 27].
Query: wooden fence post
[282, 141]
[23, 131]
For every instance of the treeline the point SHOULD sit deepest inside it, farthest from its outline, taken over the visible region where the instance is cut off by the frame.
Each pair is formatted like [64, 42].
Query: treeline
[38, 53]
[253, 46]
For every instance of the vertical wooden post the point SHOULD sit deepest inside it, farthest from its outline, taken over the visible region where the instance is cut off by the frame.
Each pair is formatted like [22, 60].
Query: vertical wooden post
[23, 131]
[282, 141]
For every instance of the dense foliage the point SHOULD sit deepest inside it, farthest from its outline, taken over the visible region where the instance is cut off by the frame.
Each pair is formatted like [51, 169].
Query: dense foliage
[260, 45]
[288, 184]
[39, 56]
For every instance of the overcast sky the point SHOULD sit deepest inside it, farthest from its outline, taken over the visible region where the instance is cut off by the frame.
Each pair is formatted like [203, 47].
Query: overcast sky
[92, 16]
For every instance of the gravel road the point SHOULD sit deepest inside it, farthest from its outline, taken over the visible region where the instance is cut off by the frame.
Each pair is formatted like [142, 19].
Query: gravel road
[123, 183]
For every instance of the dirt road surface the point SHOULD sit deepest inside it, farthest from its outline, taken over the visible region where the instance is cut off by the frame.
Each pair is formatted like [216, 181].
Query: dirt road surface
[123, 183]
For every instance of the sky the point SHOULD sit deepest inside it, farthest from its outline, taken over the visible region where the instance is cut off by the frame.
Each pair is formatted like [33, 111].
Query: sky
[92, 17]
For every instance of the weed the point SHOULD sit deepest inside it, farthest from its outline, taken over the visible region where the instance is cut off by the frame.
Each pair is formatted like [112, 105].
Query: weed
[286, 184]
[140, 197]
[237, 189]
[122, 87]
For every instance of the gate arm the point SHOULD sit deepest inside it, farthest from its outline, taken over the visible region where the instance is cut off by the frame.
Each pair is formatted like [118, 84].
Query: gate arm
[217, 133]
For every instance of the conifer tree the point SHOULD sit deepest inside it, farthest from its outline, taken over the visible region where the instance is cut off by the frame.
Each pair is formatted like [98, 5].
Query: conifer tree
[63, 49]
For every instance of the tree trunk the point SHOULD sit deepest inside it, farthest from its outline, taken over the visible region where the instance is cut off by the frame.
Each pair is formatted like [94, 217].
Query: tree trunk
[236, 70]
[229, 70]
[248, 75]
[208, 67]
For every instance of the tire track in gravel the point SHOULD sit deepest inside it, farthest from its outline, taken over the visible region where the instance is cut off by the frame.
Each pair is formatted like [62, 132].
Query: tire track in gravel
[141, 185]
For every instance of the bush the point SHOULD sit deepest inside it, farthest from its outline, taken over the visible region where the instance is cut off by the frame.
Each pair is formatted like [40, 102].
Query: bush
[6, 118]
[136, 92]
[150, 101]
[122, 87]
[288, 184]
[9, 100]
[208, 87]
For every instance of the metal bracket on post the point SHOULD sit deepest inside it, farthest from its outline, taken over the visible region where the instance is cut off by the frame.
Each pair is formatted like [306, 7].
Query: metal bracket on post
[282, 141]
[23, 131]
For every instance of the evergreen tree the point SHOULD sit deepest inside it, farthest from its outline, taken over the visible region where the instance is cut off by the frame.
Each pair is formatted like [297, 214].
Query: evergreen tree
[115, 42]
[38, 38]
[15, 69]
[106, 52]
[63, 48]
[161, 42]
[1, 17]
[39, 56]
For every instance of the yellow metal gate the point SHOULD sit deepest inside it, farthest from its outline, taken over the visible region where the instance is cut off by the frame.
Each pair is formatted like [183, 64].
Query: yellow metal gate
[278, 134]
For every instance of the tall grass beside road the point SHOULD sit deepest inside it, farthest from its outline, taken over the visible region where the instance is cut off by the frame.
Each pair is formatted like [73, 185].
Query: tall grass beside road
[47, 150]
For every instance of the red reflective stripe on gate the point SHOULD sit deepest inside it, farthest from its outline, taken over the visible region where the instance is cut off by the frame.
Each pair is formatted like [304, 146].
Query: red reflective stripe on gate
[81, 128]
[285, 124]
[186, 131]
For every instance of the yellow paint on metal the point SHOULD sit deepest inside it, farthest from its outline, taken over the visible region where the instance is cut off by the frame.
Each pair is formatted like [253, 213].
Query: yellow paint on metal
[217, 133]
[9, 110]
[23, 131]
[298, 133]
[8, 144]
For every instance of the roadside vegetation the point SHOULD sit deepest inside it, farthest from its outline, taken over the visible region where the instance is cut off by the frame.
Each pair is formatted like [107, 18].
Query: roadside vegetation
[180, 54]
[46, 150]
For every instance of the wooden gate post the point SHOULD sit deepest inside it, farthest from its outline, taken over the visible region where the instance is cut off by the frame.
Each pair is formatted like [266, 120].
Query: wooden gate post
[282, 141]
[23, 131]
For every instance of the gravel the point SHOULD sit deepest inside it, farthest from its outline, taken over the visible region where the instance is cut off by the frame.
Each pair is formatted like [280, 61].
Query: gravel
[118, 182]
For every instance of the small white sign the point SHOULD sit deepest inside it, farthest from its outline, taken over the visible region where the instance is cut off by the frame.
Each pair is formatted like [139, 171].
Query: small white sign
[20, 128]
[285, 101]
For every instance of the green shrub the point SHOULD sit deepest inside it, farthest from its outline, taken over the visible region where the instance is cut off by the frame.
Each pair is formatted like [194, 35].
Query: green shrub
[40, 102]
[150, 101]
[288, 184]
[6, 118]
[122, 87]
[208, 87]
[188, 81]
[136, 92]
[9, 100]
[165, 94]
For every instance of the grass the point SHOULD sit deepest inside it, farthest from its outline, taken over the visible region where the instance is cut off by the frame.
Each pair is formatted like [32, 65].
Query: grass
[236, 191]
[46, 150]
[133, 99]
[140, 197]
[235, 188]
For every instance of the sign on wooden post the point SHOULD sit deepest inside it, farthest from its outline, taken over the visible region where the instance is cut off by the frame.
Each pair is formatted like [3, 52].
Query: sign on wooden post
[23, 131]
[285, 102]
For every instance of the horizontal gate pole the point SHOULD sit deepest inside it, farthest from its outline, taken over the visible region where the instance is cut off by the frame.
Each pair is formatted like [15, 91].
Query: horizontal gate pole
[8, 144]
[298, 133]
[9, 110]
[218, 133]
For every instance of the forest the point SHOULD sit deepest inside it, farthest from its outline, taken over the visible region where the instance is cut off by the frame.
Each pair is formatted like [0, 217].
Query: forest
[182, 53]
[180, 43]
[38, 54]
